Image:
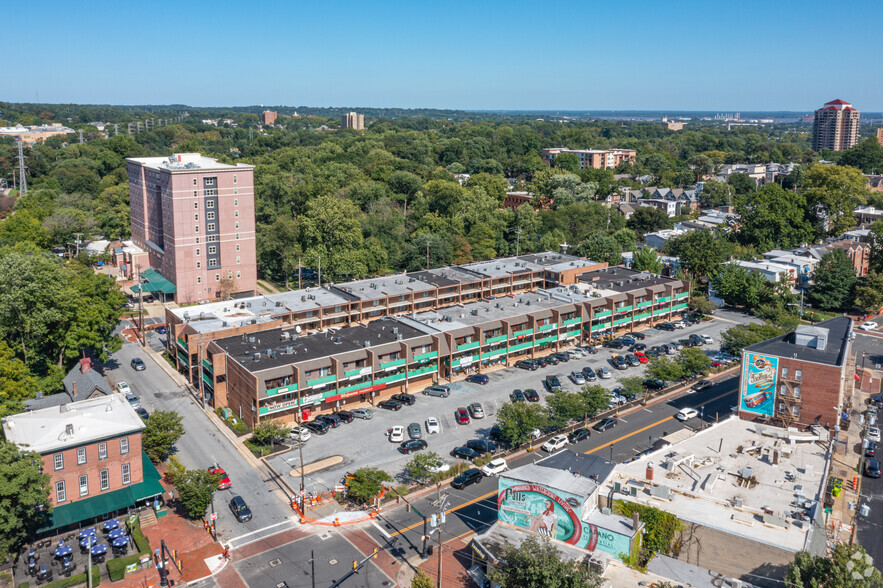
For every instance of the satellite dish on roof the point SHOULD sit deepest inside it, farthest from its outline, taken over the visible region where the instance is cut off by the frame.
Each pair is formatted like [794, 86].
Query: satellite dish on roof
[297, 329]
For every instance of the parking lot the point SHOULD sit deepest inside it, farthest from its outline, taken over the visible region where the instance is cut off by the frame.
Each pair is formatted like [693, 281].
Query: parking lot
[365, 444]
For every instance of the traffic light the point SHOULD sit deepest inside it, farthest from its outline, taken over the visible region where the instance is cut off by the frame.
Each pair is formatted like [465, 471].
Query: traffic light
[355, 566]
[433, 520]
[408, 507]
[375, 553]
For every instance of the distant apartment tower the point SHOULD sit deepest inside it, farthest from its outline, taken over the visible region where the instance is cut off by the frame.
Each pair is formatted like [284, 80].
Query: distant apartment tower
[195, 218]
[835, 126]
[593, 158]
[268, 117]
[673, 125]
[880, 137]
[353, 120]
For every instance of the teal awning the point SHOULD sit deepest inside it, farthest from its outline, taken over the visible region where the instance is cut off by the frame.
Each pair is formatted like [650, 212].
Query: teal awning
[154, 282]
[97, 506]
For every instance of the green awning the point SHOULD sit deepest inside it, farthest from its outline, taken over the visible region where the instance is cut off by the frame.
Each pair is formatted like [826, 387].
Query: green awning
[154, 282]
[97, 506]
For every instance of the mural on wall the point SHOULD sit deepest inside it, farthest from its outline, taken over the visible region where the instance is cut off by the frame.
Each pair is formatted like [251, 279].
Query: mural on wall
[555, 514]
[759, 376]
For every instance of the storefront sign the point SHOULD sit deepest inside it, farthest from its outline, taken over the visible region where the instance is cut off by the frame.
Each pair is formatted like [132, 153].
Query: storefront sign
[312, 399]
[356, 392]
[759, 376]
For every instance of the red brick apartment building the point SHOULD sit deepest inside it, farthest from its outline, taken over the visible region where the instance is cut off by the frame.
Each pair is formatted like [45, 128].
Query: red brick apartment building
[593, 158]
[797, 379]
[91, 450]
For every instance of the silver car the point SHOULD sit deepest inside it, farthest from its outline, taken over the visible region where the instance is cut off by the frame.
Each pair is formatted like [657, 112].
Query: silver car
[604, 373]
[362, 413]
[440, 391]
[476, 410]
[577, 378]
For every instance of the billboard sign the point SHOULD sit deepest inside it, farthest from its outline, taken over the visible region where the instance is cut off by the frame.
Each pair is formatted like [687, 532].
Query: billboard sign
[758, 391]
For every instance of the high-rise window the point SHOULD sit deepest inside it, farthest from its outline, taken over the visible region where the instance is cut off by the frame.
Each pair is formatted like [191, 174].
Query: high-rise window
[58, 458]
[81, 455]
[102, 451]
[60, 495]
[127, 474]
[124, 445]
[104, 479]
[211, 227]
[84, 485]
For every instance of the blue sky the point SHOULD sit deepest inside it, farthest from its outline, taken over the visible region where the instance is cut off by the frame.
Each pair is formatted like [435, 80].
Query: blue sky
[484, 54]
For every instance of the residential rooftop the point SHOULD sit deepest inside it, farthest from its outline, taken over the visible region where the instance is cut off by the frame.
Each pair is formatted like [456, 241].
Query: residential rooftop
[76, 423]
[725, 477]
[570, 472]
[620, 279]
[826, 342]
[184, 162]
[373, 288]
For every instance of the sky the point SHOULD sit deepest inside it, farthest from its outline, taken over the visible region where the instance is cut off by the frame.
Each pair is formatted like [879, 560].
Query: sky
[478, 54]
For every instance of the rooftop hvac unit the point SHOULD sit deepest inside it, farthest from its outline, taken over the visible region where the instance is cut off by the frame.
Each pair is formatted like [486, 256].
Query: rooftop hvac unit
[186, 316]
[257, 356]
[248, 304]
[201, 315]
[474, 312]
[278, 304]
[449, 319]
[251, 339]
[223, 323]
[285, 336]
[312, 296]
[337, 340]
[399, 336]
[366, 344]
[303, 298]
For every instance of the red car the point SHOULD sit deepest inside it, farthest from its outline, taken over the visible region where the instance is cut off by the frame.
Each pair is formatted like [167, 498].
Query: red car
[641, 357]
[462, 416]
[224, 481]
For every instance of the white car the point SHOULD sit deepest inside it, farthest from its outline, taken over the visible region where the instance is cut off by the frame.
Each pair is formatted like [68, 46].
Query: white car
[397, 434]
[441, 467]
[432, 426]
[679, 324]
[604, 373]
[494, 467]
[869, 326]
[707, 339]
[301, 433]
[123, 388]
[536, 434]
[555, 443]
[873, 434]
[686, 414]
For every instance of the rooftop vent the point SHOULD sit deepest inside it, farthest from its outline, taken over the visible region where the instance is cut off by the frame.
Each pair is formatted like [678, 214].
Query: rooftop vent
[366, 344]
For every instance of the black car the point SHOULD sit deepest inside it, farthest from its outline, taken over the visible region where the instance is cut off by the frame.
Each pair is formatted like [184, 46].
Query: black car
[660, 349]
[637, 347]
[563, 357]
[145, 416]
[696, 339]
[138, 364]
[240, 509]
[553, 383]
[578, 435]
[590, 374]
[412, 445]
[481, 446]
[330, 419]
[518, 396]
[687, 342]
[467, 478]
[527, 364]
[318, 427]
[615, 344]
[652, 353]
[465, 453]
[345, 416]
[620, 363]
[590, 349]
[871, 449]
[872, 468]
[605, 424]
[531, 395]
[632, 359]
[654, 384]
[404, 398]
[496, 433]
[666, 327]
[548, 360]
[638, 335]
[390, 404]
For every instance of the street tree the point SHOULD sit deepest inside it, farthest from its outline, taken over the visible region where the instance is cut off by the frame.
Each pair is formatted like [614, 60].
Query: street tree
[24, 488]
[666, 369]
[833, 281]
[847, 566]
[772, 218]
[163, 430]
[567, 406]
[648, 219]
[423, 465]
[875, 238]
[832, 192]
[869, 293]
[421, 580]
[700, 251]
[538, 563]
[646, 259]
[518, 419]
[738, 337]
[269, 432]
[739, 286]
[601, 247]
[366, 483]
[693, 361]
[702, 305]
[597, 398]
[633, 385]
[195, 489]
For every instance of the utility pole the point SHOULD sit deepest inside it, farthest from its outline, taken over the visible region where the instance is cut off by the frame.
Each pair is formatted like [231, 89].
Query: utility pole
[411, 507]
[427, 253]
[313, 567]
[320, 271]
[300, 450]
[22, 177]
[441, 504]
[78, 238]
[141, 306]
[517, 241]
[299, 272]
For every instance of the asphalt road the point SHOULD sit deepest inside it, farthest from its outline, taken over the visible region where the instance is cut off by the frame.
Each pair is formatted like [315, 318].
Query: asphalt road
[365, 443]
[202, 445]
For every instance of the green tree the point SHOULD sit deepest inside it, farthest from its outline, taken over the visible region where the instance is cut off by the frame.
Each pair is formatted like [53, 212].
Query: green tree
[366, 484]
[773, 218]
[269, 432]
[567, 406]
[869, 293]
[23, 489]
[421, 580]
[875, 238]
[666, 369]
[739, 286]
[567, 161]
[633, 385]
[702, 305]
[738, 337]
[833, 281]
[777, 315]
[163, 430]
[538, 563]
[195, 489]
[600, 247]
[742, 183]
[518, 419]
[832, 192]
[866, 155]
[848, 566]
[597, 398]
[716, 193]
[423, 465]
[494, 186]
[646, 259]
[22, 227]
[17, 384]
[648, 219]
[693, 361]
[700, 252]
[626, 239]
[332, 234]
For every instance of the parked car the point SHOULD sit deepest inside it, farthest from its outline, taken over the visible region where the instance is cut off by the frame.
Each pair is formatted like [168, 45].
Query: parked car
[531, 395]
[467, 478]
[706, 339]
[686, 414]
[496, 433]
[637, 347]
[615, 344]
[628, 339]
[414, 431]
[589, 374]
[638, 335]
[465, 453]
[687, 342]
[240, 509]
[412, 445]
[461, 415]
[696, 339]
[318, 427]
[632, 359]
[873, 434]
[665, 327]
[390, 404]
[652, 354]
[439, 391]
[576, 353]
[604, 424]
[223, 478]
[642, 357]
[679, 324]
[494, 467]
[138, 364]
[553, 383]
[604, 374]
[477, 379]
[408, 399]
[363, 413]
[654, 384]
[677, 345]
[396, 434]
[872, 468]
[871, 450]
[670, 349]
[562, 357]
[332, 420]
[301, 434]
[123, 388]
[577, 378]
[133, 400]
[481, 446]
[578, 435]
[869, 326]
[702, 385]
[517, 396]
[619, 362]
[593, 349]
[555, 443]
[432, 426]
[345, 416]
[548, 360]
[527, 364]
[476, 410]
[145, 416]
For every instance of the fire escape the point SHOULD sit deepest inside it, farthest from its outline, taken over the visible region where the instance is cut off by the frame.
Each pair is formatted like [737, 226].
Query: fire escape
[788, 400]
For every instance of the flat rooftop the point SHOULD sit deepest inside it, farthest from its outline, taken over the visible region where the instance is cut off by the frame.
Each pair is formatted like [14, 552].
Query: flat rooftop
[280, 347]
[798, 344]
[372, 288]
[567, 471]
[445, 277]
[619, 279]
[214, 316]
[184, 162]
[725, 477]
[50, 429]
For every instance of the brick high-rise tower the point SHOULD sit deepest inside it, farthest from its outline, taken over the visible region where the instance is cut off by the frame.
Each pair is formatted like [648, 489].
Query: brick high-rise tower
[835, 126]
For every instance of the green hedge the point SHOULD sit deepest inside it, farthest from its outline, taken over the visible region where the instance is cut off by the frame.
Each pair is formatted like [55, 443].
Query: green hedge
[78, 579]
[116, 568]
[140, 540]
[24, 585]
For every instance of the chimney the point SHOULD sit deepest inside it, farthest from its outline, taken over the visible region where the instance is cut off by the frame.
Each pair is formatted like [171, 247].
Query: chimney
[85, 364]
[636, 520]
